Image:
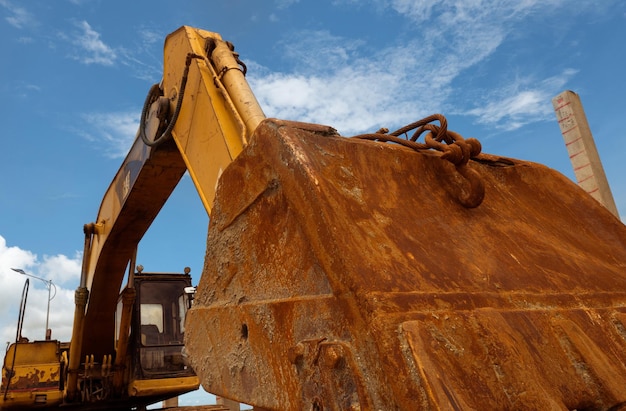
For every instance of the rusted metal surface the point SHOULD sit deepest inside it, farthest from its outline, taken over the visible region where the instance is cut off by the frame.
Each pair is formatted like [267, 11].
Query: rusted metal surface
[36, 366]
[345, 274]
[452, 145]
[33, 374]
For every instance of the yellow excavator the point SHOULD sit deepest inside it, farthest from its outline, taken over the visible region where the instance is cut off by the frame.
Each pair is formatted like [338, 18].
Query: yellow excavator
[378, 272]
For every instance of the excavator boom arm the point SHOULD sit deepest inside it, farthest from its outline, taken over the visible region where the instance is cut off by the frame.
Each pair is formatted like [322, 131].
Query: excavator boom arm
[212, 113]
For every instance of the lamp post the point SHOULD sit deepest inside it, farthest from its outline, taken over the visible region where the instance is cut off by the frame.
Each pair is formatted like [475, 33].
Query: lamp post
[49, 286]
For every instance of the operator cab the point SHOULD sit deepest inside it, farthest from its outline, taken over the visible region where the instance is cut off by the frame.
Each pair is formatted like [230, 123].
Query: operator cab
[158, 324]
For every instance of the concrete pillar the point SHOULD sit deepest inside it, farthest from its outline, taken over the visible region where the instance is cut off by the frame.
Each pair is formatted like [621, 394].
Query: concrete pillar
[582, 149]
[232, 405]
[170, 402]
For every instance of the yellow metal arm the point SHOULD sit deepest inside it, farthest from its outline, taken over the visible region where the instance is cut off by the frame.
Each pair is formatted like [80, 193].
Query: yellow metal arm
[218, 112]
[214, 116]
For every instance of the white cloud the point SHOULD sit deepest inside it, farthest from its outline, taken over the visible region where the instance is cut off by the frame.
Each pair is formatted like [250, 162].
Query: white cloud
[63, 271]
[88, 48]
[454, 12]
[522, 102]
[19, 17]
[283, 4]
[60, 268]
[24, 90]
[334, 84]
[350, 101]
[417, 10]
[14, 257]
[150, 37]
[115, 131]
[524, 105]
[92, 50]
[320, 51]
[341, 82]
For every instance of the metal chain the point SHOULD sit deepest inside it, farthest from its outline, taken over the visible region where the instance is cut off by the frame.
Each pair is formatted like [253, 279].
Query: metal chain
[452, 145]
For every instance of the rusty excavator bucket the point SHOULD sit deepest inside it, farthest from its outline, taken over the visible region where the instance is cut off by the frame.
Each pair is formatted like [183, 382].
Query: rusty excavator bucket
[349, 274]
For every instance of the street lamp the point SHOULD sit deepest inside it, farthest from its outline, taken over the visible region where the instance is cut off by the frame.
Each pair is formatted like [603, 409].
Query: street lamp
[49, 286]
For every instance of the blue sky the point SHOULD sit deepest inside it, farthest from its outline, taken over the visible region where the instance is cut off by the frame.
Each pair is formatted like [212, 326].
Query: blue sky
[74, 74]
